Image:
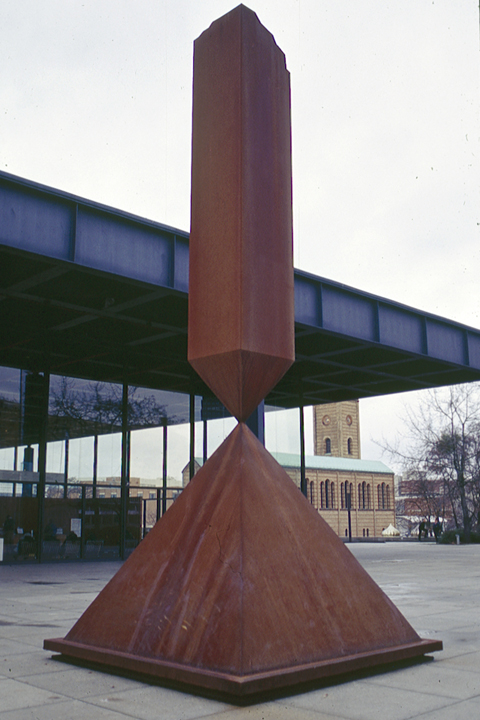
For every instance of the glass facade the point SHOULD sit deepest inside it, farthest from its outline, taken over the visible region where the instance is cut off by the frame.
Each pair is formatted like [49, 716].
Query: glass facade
[87, 468]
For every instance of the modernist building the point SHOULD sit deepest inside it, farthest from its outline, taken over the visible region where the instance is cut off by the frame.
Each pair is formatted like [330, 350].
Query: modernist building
[93, 353]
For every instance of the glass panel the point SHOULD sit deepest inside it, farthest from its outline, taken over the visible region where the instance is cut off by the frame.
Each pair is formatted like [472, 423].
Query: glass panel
[178, 454]
[18, 524]
[10, 381]
[134, 533]
[80, 460]
[109, 459]
[219, 424]
[282, 431]
[7, 458]
[56, 458]
[102, 525]
[80, 408]
[146, 456]
[150, 408]
[217, 431]
[198, 445]
[62, 530]
[308, 429]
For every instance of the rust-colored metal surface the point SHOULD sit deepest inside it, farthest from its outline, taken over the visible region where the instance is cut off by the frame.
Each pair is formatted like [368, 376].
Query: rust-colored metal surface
[242, 587]
[247, 685]
[241, 309]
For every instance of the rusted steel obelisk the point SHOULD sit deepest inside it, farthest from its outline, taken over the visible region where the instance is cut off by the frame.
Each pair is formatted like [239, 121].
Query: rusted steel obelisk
[241, 304]
[241, 587]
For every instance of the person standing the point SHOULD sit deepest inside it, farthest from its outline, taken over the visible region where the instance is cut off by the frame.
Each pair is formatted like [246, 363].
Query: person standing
[421, 529]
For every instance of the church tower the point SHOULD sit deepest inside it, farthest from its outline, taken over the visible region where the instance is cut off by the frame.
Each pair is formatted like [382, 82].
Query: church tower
[336, 428]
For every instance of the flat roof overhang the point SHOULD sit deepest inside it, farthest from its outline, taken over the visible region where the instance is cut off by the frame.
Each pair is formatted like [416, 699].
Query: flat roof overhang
[96, 293]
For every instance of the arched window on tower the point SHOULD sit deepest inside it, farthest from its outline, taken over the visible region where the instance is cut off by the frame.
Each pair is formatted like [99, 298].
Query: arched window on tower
[322, 494]
[328, 494]
[383, 496]
[388, 497]
[328, 446]
[349, 446]
[310, 485]
[364, 498]
[348, 495]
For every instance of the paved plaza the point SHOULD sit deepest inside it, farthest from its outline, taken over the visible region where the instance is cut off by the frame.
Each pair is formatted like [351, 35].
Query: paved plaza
[436, 587]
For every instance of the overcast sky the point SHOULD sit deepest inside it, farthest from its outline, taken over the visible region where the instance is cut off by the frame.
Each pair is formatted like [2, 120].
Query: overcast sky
[96, 101]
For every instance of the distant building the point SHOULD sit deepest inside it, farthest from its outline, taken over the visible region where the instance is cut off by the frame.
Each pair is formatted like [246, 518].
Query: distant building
[336, 429]
[331, 479]
[420, 498]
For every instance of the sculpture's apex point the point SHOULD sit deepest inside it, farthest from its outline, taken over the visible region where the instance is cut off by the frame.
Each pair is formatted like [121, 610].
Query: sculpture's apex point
[245, 13]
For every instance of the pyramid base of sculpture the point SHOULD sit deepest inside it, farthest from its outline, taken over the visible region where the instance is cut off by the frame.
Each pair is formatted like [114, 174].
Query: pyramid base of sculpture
[242, 588]
[241, 686]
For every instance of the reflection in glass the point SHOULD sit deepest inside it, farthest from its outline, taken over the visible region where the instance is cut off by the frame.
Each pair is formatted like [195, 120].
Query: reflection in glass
[7, 458]
[178, 454]
[282, 430]
[79, 408]
[146, 454]
[109, 458]
[80, 459]
[83, 483]
[10, 381]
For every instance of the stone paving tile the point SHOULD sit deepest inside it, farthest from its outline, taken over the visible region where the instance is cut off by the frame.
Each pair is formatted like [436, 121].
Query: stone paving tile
[81, 683]
[433, 678]
[468, 661]
[13, 646]
[454, 618]
[457, 641]
[361, 700]
[434, 587]
[15, 695]
[69, 710]
[154, 702]
[27, 664]
[54, 616]
[24, 630]
[278, 710]
[464, 710]
[33, 639]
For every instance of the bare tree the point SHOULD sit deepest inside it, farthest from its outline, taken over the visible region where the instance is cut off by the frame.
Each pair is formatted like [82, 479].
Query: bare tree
[97, 408]
[441, 454]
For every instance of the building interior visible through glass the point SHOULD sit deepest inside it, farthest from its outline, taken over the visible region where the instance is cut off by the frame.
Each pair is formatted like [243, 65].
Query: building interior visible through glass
[116, 457]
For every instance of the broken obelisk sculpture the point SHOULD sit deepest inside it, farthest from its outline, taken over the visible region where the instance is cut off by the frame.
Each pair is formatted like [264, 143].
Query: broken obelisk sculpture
[241, 587]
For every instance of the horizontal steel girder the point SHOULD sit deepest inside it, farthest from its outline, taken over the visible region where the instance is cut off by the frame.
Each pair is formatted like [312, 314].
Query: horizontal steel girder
[93, 292]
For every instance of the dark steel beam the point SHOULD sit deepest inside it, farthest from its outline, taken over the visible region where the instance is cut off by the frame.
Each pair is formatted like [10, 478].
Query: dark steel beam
[102, 294]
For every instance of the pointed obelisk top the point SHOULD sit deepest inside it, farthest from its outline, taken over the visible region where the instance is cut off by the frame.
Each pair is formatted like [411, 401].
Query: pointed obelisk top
[241, 304]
